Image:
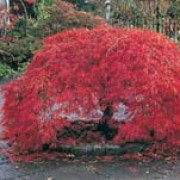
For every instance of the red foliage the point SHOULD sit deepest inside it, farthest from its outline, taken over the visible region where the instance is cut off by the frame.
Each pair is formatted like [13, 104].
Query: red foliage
[30, 1]
[65, 6]
[78, 68]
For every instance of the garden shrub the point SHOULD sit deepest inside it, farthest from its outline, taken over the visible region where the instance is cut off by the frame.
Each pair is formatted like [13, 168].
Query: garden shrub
[17, 51]
[5, 70]
[25, 35]
[92, 6]
[79, 71]
[64, 16]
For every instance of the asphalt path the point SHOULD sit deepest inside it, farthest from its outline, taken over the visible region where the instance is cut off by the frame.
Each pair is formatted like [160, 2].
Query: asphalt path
[89, 170]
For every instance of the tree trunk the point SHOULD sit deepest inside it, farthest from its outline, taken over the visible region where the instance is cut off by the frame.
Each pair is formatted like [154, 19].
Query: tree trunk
[108, 9]
[104, 126]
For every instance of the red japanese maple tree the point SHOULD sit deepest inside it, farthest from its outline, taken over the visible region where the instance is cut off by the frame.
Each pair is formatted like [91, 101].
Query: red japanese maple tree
[30, 1]
[78, 71]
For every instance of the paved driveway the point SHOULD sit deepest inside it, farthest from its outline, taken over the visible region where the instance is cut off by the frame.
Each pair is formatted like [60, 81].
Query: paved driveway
[91, 170]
